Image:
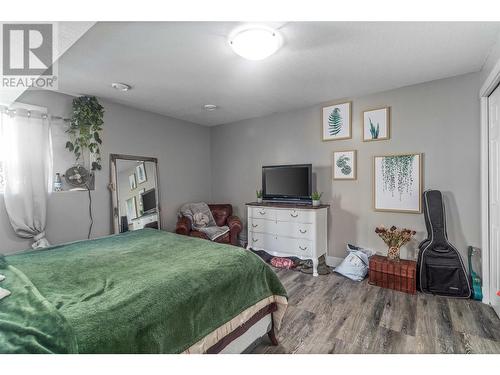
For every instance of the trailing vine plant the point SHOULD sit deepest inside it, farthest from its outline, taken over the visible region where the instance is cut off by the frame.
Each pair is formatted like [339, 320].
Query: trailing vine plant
[397, 174]
[85, 130]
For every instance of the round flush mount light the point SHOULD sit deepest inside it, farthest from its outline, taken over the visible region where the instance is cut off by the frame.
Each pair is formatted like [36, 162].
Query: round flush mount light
[210, 107]
[120, 86]
[255, 42]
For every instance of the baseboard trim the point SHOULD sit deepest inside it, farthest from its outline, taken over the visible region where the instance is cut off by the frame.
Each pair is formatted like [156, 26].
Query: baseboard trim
[333, 261]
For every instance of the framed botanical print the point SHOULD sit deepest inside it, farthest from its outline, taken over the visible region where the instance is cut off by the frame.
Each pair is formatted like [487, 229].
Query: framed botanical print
[131, 208]
[377, 124]
[344, 165]
[140, 171]
[132, 182]
[397, 183]
[336, 121]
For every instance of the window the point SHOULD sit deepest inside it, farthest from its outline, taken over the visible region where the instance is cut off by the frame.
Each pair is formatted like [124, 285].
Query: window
[2, 179]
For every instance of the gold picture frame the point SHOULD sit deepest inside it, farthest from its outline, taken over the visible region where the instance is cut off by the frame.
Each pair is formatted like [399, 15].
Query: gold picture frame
[416, 197]
[344, 106]
[354, 166]
[388, 121]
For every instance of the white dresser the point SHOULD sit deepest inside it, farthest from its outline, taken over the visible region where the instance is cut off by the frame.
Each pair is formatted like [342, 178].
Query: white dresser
[288, 230]
[141, 221]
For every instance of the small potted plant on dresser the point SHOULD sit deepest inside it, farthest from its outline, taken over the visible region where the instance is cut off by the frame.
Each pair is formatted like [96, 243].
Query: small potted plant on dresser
[316, 197]
[259, 196]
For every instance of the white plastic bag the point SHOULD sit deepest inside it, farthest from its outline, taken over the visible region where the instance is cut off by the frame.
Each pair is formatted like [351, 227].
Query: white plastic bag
[355, 264]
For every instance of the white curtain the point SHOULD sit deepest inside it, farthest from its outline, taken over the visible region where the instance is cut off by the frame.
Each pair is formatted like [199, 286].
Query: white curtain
[27, 154]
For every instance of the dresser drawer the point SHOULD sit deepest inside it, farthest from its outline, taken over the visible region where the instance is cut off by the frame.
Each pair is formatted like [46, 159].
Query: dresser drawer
[262, 225]
[262, 213]
[299, 216]
[295, 246]
[262, 241]
[295, 230]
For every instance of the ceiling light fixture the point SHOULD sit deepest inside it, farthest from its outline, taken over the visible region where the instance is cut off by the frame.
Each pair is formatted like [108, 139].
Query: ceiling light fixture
[210, 107]
[121, 86]
[255, 42]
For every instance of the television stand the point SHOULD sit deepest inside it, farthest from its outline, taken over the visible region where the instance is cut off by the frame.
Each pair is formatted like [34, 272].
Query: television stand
[288, 230]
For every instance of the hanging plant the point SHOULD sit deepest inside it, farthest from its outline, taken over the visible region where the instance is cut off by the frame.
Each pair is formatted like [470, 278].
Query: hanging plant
[85, 130]
[397, 174]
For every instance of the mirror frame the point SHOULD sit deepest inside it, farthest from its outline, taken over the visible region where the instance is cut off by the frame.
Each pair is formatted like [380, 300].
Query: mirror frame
[114, 188]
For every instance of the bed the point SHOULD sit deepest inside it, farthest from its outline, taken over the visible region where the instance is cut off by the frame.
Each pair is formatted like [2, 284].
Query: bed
[145, 291]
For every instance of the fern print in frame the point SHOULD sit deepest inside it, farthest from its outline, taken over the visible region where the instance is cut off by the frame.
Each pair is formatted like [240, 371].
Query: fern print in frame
[336, 121]
[344, 165]
[397, 184]
[376, 124]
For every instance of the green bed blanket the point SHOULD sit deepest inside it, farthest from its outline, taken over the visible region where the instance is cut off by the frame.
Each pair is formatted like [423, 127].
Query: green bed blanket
[146, 291]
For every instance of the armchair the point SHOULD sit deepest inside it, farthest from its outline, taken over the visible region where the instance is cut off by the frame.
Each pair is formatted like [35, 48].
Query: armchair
[223, 215]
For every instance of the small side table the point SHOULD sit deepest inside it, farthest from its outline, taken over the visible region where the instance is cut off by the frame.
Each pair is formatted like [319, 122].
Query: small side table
[400, 276]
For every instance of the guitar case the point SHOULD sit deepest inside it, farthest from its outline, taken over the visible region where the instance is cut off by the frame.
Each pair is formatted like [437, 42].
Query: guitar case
[440, 269]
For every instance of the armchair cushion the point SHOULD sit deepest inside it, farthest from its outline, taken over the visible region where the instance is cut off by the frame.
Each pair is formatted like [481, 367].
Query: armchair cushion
[183, 226]
[221, 212]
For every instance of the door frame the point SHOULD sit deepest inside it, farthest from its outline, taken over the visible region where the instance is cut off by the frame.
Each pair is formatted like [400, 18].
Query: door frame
[489, 85]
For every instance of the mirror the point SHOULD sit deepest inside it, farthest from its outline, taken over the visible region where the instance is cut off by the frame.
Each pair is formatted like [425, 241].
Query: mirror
[135, 193]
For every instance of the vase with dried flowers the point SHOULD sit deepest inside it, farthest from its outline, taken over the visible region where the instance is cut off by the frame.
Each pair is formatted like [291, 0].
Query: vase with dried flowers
[394, 238]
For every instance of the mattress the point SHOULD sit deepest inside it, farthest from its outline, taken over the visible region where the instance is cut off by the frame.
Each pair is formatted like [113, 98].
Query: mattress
[145, 291]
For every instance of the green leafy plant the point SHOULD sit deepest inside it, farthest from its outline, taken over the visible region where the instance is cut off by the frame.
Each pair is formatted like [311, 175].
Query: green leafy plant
[342, 163]
[334, 122]
[316, 196]
[258, 193]
[85, 129]
[374, 131]
[397, 174]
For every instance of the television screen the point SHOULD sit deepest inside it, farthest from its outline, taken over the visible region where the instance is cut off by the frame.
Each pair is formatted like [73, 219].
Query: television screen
[149, 200]
[286, 182]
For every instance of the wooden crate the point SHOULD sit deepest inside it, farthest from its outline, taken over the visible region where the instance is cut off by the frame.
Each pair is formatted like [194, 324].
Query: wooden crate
[399, 276]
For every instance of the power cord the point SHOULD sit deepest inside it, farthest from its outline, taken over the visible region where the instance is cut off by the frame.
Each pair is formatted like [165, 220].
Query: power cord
[90, 211]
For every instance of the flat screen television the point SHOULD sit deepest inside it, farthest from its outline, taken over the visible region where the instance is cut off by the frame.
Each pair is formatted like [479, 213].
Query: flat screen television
[149, 201]
[287, 182]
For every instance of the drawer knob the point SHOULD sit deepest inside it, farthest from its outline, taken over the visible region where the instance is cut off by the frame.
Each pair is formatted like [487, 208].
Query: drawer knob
[255, 225]
[303, 231]
[292, 215]
[262, 212]
[302, 248]
[255, 239]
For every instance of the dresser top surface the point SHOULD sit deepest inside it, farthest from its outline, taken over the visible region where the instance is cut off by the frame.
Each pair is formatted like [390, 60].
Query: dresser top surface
[287, 205]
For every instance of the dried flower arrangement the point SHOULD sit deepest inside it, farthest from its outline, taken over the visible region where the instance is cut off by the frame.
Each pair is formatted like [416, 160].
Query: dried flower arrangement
[394, 238]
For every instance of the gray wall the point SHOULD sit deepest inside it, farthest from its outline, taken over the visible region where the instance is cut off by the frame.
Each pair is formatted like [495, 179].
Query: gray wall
[439, 119]
[182, 149]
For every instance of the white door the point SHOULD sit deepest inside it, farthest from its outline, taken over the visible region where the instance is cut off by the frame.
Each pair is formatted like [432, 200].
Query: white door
[494, 196]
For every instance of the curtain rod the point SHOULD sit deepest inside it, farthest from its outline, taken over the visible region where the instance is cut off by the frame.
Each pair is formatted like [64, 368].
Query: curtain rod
[19, 111]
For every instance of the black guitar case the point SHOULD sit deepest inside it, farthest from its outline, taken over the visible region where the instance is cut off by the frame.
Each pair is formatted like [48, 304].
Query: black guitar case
[440, 269]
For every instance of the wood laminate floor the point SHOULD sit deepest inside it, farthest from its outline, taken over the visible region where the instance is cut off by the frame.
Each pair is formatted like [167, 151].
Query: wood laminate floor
[332, 314]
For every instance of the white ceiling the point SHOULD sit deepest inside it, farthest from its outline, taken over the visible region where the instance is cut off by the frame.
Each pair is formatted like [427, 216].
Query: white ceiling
[177, 67]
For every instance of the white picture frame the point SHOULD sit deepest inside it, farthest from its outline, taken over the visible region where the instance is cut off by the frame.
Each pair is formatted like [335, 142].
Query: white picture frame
[131, 209]
[397, 183]
[140, 171]
[132, 182]
[376, 124]
[344, 165]
[336, 122]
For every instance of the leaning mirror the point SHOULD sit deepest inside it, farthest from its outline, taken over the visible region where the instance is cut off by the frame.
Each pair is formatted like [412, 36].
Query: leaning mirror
[135, 193]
